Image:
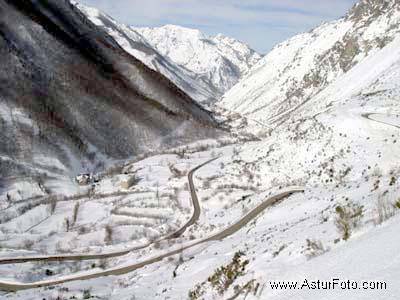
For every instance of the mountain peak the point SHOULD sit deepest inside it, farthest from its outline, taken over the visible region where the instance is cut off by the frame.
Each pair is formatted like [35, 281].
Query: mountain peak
[221, 61]
[172, 29]
[367, 9]
[175, 27]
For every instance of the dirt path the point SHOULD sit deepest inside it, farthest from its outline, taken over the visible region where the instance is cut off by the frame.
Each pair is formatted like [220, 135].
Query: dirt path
[16, 286]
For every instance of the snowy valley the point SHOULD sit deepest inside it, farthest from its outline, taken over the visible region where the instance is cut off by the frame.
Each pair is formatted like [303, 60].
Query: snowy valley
[298, 177]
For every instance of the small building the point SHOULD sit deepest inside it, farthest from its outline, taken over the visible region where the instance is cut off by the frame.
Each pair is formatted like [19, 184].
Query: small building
[126, 184]
[83, 179]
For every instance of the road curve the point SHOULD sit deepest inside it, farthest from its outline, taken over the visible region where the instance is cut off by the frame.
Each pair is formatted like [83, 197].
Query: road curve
[195, 201]
[86, 256]
[16, 286]
[368, 117]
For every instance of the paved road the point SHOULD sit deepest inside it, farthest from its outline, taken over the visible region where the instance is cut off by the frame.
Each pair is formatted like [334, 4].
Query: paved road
[16, 286]
[368, 116]
[195, 201]
[86, 256]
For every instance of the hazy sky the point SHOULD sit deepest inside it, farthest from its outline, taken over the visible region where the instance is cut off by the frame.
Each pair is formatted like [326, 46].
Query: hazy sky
[259, 23]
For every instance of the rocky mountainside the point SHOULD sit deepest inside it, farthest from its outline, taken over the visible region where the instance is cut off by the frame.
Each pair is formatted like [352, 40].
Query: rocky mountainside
[69, 91]
[301, 67]
[219, 61]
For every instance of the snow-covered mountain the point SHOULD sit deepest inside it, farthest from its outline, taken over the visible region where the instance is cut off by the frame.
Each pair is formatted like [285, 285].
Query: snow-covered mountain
[299, 68]
[338, 154]
[219, 61]
[204, 67]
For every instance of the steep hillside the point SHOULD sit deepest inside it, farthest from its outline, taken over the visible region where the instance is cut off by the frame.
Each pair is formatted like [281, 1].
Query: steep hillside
[69, 92]
[298, 69]
[218, 61]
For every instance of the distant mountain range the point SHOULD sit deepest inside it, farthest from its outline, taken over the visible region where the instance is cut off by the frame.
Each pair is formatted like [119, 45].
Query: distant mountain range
[204, 67]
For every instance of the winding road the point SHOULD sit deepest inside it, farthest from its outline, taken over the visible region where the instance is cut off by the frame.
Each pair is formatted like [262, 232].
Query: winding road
[87, 256]
[368, 117]
[195, 201]
[242, 222]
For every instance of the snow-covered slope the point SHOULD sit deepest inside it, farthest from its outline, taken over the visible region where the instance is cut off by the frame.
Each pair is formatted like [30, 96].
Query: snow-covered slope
[298, 69]
[219, 61]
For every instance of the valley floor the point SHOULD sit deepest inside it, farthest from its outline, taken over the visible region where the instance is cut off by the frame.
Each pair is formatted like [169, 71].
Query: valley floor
[300, 237]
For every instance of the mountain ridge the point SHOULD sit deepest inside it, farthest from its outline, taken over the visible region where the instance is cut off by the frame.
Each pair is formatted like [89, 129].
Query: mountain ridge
[299, 68]
[219, 60]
